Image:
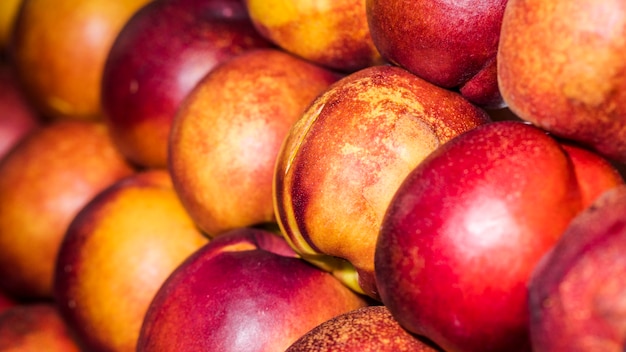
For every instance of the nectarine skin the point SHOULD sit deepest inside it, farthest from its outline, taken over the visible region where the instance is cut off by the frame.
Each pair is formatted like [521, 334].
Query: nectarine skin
[346, 156]
[450, 44]
[45, 181]
[577, 291]
[333, 34]
[367, 329]
[561, 66]
[228, 132]
[244, 291]
[157, 59]
[116, 253]
[36, 326]
[59, 49]
[464, 231]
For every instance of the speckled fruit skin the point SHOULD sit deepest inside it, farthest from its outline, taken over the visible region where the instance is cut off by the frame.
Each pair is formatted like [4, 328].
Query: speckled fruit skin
[36, 326]
[59, 49]
[344, 159]
[244, 291]
[451, 44]
[116, 254]
[157, 59]
[333, 34]
[464, 231]
[577, 290]
[228, 132]
[44, 182]
[367, 329]
[561, 66]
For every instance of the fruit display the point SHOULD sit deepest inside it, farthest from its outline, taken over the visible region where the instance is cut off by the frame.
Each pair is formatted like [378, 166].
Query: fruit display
[305, 175]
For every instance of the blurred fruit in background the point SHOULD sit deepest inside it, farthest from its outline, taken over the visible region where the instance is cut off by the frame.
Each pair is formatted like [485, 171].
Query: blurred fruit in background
[8, 13]
[17, 116]
[334, 34]
[59, 49]
[44, 182]
[228, 131]
[158, 57]
[35, 327]
[117, 252]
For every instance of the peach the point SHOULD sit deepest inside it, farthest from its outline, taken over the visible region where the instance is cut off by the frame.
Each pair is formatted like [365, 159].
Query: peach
[35, 327]
[117, 252]
[59, 49]
[576, 292]
[333, 34]
[17, 116]
[344, 159]
[157, 59]
[244, 291]
[367, 329]
[466, 228]
[561, 66]
[452, 44]
[44, 182]
[228, 131]
[595, 174]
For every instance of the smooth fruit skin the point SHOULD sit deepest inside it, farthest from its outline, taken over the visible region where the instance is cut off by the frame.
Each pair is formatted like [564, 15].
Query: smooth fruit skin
[59, 49]
[464, 231]
[244, 291]
[17, 116]
[36, 326]
[367, 329]
[344, 159]
[577, 290]
[228, 132]
[44, 182]
[116, 254]
[333, 34]
[8, 13]
[158, 57]
[595, 173]
[561, 66]
[450, 44]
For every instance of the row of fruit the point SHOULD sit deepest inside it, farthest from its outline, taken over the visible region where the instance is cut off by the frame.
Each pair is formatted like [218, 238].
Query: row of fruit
[272, 175]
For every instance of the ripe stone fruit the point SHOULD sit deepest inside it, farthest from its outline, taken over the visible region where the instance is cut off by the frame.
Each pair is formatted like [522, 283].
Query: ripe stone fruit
[595, 173]
[334, 34]
[45, 180]
[8, 13]
[367, 329]
[577, 290]
[17, 116]
[59, 49]
[343, 160]
[244, 291]
[561, 66]
[452, 44]
[157, 59]
[228, 131]
[117, 252]
[36, 326]
[464, 231]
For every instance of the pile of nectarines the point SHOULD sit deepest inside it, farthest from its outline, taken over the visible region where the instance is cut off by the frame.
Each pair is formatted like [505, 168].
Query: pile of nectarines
[305, 175]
